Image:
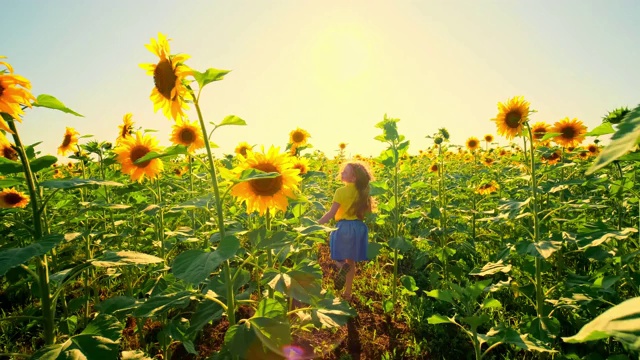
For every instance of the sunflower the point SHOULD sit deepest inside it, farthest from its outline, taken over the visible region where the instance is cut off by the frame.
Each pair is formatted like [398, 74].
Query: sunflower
[14, 94]
[487, 161]
[169, 92]
[298, 137]
[539, 130]
[181, 170]
[487, 188]
[126, 128]
[69, 141]
[188, 134]
[263, 194]
[473, 143]
[302, 164]
[488, 138]
[11, 198]
[57, 174]
[511, 117]
[552, 158]
[242, 148]
[583, 155]
[6, 148]
[503, 152]
[593, 149]
[133, 148]
[342, 146]
[616, 116]
[434, 168]
[572, 132]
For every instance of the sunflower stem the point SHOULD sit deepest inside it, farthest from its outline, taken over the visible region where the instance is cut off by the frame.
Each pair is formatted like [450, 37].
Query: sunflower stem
[269, 255]
[42, 269]
[231, 307]
[160, 219]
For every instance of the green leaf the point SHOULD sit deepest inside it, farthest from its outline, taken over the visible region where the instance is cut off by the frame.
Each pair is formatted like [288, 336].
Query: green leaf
[99, 340]
[439, 319]
[491, 268]
[134, 355]
[475, 320]
[253, 174]
[42, 162]
[209, 76]
[602, 129]
[238, 338]
[159, 304]
[5, 183]
[170, 151]
[232, 120]
[549, 135]
[76, 183]
[303, 282]
[194, 266]
[442, 295]
[332, 313]
[409, 283]
[48, 101]
[125, 257]
[15, 257]
[119, 306]
[545, 248]
[622, 141]
[491, 303]
[207, 310]
[400, 243]
[306, 230]
[511, 336]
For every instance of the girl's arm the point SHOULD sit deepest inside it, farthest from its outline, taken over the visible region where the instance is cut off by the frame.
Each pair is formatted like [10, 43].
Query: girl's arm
[330, 214]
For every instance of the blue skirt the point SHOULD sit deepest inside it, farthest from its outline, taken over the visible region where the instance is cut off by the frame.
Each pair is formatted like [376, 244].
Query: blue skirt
[350, 241]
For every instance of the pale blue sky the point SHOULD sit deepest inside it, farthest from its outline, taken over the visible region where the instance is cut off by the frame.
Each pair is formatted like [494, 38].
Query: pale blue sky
[333, 68]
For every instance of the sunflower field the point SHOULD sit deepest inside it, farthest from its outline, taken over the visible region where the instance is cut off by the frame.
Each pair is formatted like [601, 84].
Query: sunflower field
[134, 251]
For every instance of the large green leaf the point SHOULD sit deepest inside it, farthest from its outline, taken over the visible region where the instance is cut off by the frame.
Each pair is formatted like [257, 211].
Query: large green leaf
[622, 141]
[603, 129]
[332, 313]
[525, 342]
[442, 295]
[621, 322]
[209, 76]
[232, 120]
[49, 101]
[98, 341]
[170, 151]
[206, 311]
[159, 304]
[303, 282]
[125, 257]
[194, 266]
[238, 339]
[11, 258]
[491, 268]
[76, 183]
[42, 162]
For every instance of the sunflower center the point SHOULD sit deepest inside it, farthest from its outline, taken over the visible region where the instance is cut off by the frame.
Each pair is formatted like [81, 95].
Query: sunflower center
[266, 187]
[243, 151]
[66, 141]
[513, 119]
[138, 152]
[164, 78]
[1, 89]
[472, 143]
[568, 132]
[125, 131]
[187, 136]
[12, 198]
[298, 137]
[9, 153]
[539, 133]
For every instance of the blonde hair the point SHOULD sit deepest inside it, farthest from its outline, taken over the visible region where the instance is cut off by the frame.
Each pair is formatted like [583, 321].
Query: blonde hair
[364, 203]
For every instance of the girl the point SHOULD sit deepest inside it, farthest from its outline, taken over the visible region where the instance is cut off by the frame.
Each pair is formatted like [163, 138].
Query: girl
[350, 205]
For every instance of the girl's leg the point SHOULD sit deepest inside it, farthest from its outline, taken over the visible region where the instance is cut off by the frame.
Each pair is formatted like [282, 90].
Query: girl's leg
[350, 275]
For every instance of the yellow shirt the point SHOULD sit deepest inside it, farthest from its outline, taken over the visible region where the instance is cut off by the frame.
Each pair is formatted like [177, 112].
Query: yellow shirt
[346, 196]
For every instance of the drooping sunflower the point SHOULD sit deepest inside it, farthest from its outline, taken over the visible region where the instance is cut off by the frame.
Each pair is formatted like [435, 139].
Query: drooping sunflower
[6, 148]
[262, 194]
[170, 92]
[133, 148]
[473, 143]
[572, 132]
[539, 130]
[302, 164]
[488, 138]
[243, 148]
[14, 94]
[487, 188]
[593, 149]
[616, 116]
[298, 137]
[188, 134]
[69, 141]
[126, 128]
[511, 117]
[11, 198]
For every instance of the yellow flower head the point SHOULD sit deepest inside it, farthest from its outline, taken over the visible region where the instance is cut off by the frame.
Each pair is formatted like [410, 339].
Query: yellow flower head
[169, 92]
[243, 148]
[69, 141]
[6, 148]
[342, 146]
[262, 194]
[473, 143]
[487, 161]
[302, 164]
[511, 117]
[188, 134]
[487, 188]
[434, 168]
[11, 198]
[572, 132]
[552, 158]
[488, 138]
[539, 130]
[14, 94]
[126, 128]
[133, 148]
[298, 137]
[593, 150]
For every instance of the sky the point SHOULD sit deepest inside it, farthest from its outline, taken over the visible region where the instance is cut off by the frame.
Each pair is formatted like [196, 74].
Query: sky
[332, 68]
